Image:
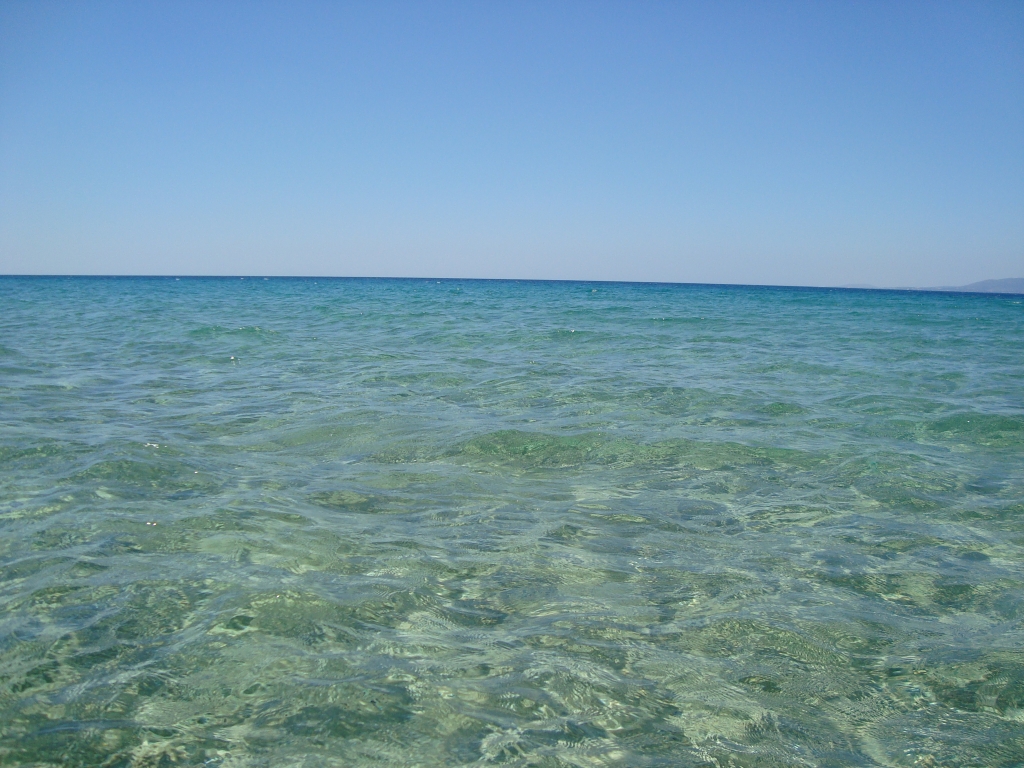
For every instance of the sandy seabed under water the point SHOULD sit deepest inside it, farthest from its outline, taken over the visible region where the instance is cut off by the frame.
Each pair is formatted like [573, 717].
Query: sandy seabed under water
[466, 523]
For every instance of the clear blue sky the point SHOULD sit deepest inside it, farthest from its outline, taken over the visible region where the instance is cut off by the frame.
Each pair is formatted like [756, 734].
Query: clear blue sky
[781, 143]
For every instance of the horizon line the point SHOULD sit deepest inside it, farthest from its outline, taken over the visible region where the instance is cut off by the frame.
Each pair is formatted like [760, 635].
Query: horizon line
[899, 289]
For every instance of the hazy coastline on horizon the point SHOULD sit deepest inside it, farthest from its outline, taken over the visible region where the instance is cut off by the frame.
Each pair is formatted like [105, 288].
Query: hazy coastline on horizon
[1003, 285]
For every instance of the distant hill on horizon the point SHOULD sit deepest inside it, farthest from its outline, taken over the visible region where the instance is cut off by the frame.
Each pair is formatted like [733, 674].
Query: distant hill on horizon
[1005, 285]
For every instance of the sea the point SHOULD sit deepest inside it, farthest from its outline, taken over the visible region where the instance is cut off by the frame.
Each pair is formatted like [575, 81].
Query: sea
[371, 522]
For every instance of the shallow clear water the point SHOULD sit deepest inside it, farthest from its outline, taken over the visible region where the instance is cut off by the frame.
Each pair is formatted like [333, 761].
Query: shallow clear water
[395, 523]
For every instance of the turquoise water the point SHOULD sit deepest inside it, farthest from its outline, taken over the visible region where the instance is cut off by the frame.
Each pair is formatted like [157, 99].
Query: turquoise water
[419, 523]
